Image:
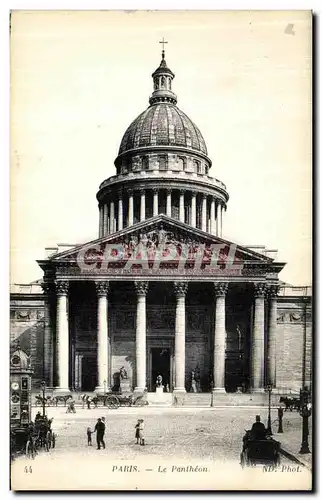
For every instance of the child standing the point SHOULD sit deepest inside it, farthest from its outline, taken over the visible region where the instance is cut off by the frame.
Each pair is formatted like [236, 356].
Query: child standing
[137, 432]
[89, 436]
[141, 431]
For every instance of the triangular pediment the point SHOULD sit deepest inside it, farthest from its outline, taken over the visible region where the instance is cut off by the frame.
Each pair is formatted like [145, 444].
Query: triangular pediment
[165, 231]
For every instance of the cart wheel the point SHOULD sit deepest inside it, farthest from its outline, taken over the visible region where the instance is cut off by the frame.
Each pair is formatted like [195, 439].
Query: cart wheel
[113, 402]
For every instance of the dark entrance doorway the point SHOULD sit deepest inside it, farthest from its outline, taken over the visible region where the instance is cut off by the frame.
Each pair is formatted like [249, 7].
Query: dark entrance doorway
[160, 365]
[89, 373]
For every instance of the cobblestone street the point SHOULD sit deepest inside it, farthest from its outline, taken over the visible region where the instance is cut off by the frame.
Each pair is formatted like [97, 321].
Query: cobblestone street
[175, 437]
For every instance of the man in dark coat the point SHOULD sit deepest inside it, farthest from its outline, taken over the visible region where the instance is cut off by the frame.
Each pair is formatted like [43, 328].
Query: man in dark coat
[258, 430]
[100, 431]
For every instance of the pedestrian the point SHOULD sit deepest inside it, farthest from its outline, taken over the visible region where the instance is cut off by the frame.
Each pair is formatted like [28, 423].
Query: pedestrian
[141, 431]
[100, 431]
[137, 432]
[88, 402]
[89, 436]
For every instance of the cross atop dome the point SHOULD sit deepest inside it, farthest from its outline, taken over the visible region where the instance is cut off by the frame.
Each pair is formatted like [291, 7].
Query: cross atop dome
[163, 42]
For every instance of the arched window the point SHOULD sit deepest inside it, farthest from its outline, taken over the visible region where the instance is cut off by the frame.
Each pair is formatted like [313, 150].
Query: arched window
[197, 166]
[162, 163]
[162, 82]
[145, 163]
[169, 83]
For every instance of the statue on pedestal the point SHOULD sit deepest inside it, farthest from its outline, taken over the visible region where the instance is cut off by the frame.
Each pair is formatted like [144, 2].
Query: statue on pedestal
[197, 377]
[123, 373]
[193, 382]
[159, 381]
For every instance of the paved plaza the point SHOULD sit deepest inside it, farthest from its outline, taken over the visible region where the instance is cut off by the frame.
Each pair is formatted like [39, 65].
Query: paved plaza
[204, 439]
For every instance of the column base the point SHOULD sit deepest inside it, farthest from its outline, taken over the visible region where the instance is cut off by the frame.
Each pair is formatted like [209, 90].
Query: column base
[220, 390]
[61, 390]
[101, 390]
[179, 390]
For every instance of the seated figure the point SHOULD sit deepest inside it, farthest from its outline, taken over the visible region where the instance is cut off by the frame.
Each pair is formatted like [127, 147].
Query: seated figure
[258, 430]
[123, 373]
[159, 381]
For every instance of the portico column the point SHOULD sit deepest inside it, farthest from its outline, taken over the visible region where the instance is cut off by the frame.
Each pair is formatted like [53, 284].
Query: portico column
[181, 206]
[212, 217]
[142, 206]
[155, 202]
[220, 337]
[180, 290]
[62, 337]
[131, 210]
[120, 212]
[141, 288]
[112, 217]
[258, 337]
[272, 293]
[193, 210]
[168, 211]
[204, 213]
[48, 289]
[102, 288]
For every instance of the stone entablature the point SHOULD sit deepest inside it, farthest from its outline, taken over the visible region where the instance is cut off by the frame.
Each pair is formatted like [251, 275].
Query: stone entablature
[201, 180]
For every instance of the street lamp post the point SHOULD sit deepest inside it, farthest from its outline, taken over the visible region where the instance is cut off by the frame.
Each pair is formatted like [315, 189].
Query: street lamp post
[305, 414]
[43, 386]
[269, 419]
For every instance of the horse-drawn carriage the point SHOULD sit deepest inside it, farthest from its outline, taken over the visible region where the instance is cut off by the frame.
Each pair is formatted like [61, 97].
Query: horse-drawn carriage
[260, 451]
[291, 403]
[40, 435]
[52, 400]
[114, 400]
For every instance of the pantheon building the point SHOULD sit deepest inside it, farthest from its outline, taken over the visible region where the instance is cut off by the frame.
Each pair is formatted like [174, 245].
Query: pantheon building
[161, 291]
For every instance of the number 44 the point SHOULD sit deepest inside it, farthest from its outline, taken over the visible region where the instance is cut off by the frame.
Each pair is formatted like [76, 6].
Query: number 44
[28, 470]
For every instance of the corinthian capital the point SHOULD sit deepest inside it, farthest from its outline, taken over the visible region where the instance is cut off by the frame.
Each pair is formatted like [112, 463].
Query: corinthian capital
[272, 291]
[62, 287]
[102, 288]
[141, 287]
[220, 289]
[259, 290]
[180, 288]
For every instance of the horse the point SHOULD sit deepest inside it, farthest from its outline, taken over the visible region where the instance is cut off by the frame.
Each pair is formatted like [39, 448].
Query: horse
[291, 403]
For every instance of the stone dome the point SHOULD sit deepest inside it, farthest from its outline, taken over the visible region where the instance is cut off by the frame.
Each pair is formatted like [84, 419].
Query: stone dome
[163, 124]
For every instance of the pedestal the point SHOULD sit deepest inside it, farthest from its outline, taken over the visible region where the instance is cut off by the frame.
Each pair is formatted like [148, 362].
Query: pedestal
[125, 386]
[159, 390]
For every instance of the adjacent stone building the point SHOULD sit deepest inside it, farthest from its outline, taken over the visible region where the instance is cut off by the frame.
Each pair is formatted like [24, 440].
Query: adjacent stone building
[161, 291]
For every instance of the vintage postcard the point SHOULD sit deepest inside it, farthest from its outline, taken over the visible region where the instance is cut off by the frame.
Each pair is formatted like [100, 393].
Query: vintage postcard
[161, 208]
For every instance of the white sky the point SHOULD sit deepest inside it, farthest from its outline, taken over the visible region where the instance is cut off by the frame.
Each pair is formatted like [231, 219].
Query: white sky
[79, 78]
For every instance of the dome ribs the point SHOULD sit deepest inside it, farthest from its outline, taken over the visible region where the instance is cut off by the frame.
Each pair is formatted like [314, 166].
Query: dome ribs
[162, 138]
[154, 125]
[162, 124]
[170, 125]
[145, 129]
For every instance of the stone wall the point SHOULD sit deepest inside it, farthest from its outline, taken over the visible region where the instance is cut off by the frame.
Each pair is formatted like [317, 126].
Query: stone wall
[293, 346]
